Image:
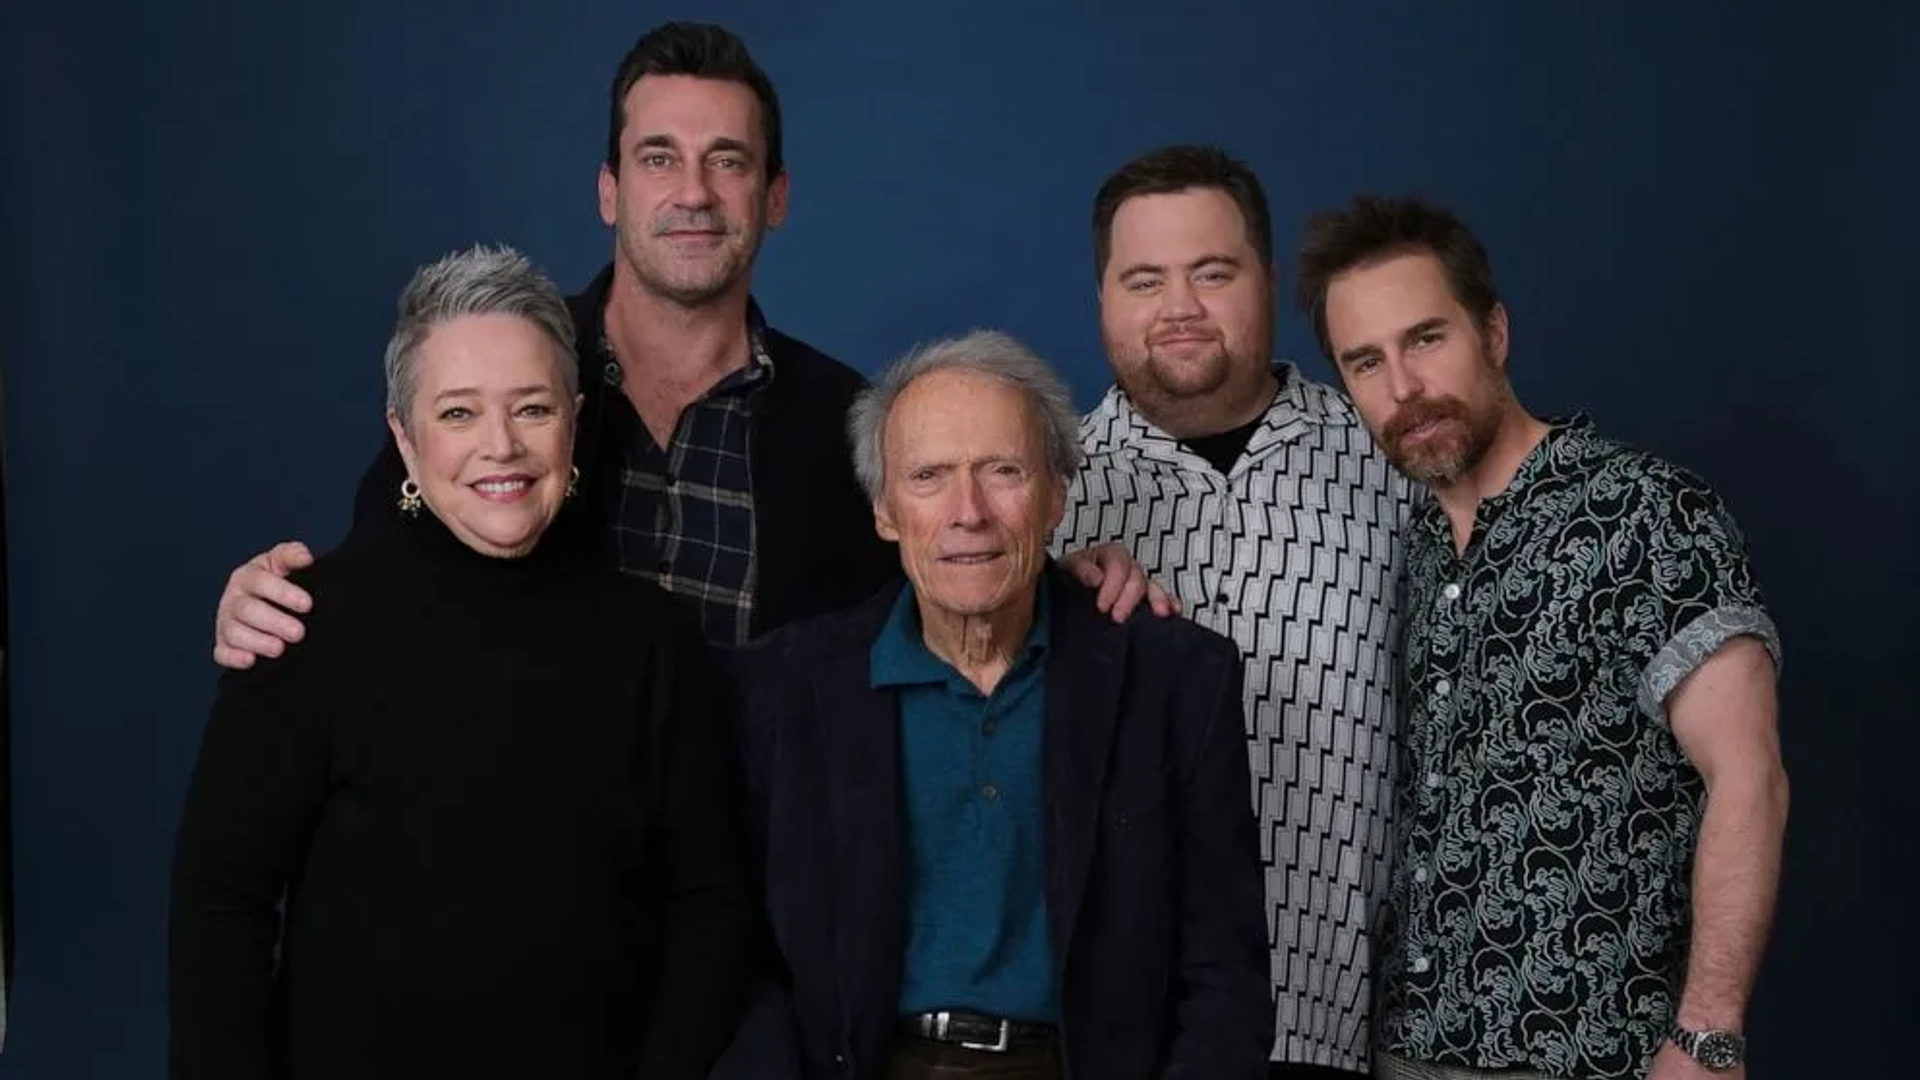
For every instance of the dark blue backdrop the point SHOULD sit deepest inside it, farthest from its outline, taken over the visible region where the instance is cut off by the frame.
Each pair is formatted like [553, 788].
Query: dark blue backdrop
[1701, 218]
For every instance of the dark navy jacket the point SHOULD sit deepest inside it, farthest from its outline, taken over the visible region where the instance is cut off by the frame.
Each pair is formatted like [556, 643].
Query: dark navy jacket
[1152, 866]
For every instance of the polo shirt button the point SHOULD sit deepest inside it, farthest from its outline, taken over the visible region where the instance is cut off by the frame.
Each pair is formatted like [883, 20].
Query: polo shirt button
[990, 792]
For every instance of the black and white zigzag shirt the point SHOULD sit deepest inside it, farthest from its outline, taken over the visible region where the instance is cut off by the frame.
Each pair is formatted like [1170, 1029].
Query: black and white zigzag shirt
[1294, 556]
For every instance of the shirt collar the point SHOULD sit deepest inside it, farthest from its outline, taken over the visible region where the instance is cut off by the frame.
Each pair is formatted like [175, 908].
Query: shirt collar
[759, 367]
[900, 656]
[1295, 410]
[1566, 433]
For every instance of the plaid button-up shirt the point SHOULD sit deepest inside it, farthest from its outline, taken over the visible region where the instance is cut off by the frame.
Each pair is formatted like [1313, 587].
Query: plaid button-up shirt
[685, 518]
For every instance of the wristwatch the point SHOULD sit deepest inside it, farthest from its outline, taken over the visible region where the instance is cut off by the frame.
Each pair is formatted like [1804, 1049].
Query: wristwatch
[1714, 1049]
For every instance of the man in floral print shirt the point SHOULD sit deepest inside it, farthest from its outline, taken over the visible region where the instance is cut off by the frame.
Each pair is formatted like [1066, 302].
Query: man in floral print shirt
[1591, 794]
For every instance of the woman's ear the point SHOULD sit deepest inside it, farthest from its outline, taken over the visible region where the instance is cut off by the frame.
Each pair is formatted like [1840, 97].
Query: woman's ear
[405, 445]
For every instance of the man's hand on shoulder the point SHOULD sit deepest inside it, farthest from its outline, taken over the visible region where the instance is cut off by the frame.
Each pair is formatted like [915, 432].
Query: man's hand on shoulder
[1120, 581]
[253, 619]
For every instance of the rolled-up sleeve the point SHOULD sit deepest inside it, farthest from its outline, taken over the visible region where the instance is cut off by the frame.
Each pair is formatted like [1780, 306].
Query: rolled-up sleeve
[1684, 587]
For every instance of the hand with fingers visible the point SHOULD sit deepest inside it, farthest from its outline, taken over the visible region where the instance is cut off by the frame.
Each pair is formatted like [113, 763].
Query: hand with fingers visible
[256, 616]
[1121, 580]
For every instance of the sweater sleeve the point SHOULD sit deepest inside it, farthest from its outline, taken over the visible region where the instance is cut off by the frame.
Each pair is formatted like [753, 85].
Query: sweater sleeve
[257, 789]
[710, 923]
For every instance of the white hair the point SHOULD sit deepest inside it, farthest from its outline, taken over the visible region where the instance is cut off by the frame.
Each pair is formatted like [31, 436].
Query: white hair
[984, 352]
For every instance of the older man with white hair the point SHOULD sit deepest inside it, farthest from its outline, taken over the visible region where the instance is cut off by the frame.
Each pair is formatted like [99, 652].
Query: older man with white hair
[997, 833]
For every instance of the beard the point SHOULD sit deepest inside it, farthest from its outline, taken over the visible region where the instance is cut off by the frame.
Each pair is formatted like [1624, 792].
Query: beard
[1458, 438]
[687, 272]
[1196, 374]
[1181, 387]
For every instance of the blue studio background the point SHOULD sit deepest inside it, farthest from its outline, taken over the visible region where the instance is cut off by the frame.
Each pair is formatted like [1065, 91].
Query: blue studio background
[1700, 215]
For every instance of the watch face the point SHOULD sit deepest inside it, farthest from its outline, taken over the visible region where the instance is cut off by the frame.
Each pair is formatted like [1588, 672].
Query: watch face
[1718, 1050]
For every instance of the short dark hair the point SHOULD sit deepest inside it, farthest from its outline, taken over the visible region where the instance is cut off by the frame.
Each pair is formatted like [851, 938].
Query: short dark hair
[1374, 228]
[1173, 169]
[704, 51]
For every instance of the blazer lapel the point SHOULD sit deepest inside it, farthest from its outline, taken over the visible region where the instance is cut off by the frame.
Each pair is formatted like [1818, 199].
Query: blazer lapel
[860, 747]
[1086, 670]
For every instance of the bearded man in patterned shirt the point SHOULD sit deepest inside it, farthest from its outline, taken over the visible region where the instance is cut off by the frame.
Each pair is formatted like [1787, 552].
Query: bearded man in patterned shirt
[1592, 800]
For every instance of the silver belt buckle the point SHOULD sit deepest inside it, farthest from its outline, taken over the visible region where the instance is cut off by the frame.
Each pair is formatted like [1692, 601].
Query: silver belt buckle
[998, 1046]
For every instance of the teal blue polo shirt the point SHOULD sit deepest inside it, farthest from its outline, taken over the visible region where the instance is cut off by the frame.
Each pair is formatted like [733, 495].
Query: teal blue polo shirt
[971, 793]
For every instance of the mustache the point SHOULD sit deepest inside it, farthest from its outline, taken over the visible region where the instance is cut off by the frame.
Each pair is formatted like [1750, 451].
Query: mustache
[1190, 332]
[693, 221]
[1415, 413]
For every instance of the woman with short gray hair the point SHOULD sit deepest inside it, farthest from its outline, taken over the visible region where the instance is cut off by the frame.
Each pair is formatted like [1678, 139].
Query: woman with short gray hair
[490, 789]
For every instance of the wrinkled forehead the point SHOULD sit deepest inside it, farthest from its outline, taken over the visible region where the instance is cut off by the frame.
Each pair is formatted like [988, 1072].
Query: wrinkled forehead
[1380, 300]
[1172, 228]
[952, 415]
[492, 353]
[691, 110]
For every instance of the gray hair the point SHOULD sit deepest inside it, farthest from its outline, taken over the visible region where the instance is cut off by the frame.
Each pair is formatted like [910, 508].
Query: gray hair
[983, 352]
[478, 281]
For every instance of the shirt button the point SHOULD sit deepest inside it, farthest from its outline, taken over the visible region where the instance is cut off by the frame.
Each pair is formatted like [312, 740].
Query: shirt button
[669, 480]
[1452, 591]
[666, 568]
[1418, 966]
[1442, 688]
[1220, 599]
[611, 373]
[1420, 874]
[1434, 780]
[990, 793]
[988, 725]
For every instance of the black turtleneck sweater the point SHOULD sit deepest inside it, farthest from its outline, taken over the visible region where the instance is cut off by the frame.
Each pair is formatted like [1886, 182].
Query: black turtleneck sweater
[497, 800]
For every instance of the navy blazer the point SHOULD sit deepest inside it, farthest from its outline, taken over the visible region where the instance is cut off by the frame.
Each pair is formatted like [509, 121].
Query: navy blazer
[1153, 878]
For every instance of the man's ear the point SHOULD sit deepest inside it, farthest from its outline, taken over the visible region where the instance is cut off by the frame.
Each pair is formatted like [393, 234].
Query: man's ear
[1497, 330]
[777, 190]
[608, 187]
[883, 522]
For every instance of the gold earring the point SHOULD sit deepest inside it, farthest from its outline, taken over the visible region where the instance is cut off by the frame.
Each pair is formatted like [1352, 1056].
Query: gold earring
[410, 500]
[573, 485]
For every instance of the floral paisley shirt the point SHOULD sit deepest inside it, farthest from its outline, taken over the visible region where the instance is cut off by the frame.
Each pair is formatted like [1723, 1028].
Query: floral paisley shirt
[1539, 908]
